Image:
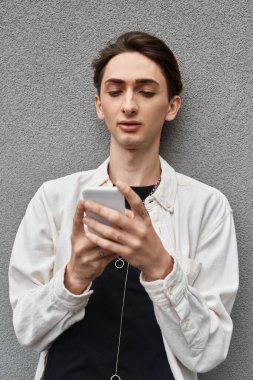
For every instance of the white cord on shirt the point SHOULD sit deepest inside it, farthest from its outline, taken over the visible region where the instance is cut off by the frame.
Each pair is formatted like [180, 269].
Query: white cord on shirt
[115, 376]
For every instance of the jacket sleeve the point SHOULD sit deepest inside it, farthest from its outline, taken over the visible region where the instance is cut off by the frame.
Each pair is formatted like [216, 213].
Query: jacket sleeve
[42, 307]
[194, 315]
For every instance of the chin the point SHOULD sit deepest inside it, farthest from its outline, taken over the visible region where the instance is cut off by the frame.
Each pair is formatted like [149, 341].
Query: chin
[130, 141]
[131, 145]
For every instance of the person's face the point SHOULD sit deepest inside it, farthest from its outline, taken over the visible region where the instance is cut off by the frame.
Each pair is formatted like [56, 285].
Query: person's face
[134, 101]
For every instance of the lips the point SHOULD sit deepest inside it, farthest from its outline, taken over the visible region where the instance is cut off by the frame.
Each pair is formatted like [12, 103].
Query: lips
[129, 125]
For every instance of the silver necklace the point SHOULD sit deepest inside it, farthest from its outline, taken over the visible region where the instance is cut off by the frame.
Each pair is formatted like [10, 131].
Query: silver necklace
[116, 376]
[154, 189]
[119, 264]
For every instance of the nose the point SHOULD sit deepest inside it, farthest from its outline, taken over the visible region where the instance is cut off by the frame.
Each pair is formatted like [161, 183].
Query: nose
[129, 105]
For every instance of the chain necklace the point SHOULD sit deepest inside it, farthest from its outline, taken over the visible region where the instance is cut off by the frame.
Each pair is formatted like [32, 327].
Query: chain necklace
[116, 376]
[119, 264]
[154, 189]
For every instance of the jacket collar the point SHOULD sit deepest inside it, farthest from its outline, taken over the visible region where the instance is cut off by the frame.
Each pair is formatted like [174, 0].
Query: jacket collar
[165, 194]
[167, 190]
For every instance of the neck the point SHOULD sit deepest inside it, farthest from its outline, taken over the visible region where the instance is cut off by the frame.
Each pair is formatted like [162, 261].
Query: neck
[134, 167]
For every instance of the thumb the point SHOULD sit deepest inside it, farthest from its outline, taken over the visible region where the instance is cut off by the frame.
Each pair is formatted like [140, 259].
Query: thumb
[78, 227]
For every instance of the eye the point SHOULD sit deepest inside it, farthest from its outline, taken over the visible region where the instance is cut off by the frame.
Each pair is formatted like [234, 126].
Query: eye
[147, 94]
[114, 93]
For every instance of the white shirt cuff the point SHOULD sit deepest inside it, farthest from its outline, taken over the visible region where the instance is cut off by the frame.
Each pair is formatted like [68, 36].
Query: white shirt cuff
[171, 289]
[64, 298]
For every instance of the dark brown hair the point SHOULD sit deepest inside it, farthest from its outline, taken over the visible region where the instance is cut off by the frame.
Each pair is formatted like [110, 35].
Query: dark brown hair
[148, 45]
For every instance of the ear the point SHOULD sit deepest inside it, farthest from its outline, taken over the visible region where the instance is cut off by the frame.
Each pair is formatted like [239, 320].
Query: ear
[99, 109]
[174, 107]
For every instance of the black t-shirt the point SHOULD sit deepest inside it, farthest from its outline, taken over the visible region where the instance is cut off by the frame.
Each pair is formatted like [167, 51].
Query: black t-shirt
[88, 349]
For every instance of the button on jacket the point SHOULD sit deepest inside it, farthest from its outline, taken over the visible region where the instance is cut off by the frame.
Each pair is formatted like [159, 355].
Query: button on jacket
[192, 304]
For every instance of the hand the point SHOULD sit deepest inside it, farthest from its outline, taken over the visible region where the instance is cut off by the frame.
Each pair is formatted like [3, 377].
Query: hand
[130, 236]
[87, 260]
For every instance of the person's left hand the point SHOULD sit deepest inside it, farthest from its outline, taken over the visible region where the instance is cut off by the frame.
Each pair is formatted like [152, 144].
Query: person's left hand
[130, 236]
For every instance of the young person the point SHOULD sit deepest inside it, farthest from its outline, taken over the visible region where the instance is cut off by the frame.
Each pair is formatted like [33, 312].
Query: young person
[148, 297]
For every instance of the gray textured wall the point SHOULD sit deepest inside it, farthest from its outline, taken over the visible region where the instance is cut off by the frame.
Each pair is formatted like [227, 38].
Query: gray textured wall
[49, 128]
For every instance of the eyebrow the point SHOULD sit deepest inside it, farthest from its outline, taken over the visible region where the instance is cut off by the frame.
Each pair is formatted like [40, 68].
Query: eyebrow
[138, 81]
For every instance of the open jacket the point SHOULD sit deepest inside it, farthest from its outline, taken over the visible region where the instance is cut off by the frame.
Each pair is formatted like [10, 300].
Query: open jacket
[192, 304]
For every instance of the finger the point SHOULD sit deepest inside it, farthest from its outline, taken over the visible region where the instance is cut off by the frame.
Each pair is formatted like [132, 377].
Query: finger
[129, 213]
[133, 199]
[107, 259]
[78, 228]
[108, 232]
[102, 254]
[114, 217]
[108, 245]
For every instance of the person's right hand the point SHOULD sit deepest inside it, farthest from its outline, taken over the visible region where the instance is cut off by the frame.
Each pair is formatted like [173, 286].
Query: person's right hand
[87, 260]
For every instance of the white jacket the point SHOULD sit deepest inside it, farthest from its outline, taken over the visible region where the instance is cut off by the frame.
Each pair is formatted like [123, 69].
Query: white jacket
[192, 304]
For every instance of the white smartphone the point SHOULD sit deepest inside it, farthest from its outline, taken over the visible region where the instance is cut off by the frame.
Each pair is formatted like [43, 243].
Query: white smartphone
[108, 197]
